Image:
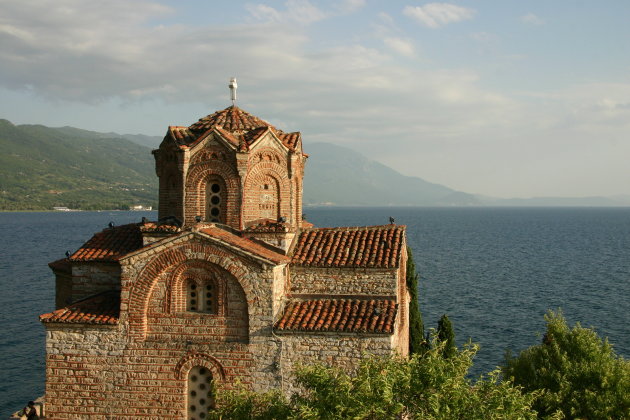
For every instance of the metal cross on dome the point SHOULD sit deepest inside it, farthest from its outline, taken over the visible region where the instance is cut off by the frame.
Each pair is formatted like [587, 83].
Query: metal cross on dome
[233, 87]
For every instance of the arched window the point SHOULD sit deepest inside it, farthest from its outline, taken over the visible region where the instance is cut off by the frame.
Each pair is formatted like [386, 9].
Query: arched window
[268, 206]
[200, 393]
[201, 296]
[216, 196]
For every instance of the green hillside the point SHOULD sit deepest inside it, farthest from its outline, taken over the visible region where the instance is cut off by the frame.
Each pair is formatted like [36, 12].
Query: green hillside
[42, 167]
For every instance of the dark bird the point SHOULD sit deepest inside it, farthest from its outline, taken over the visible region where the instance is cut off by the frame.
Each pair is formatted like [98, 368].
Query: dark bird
[282, 219]
[391, 220]
[111, 224]
[67, 254]
[198, 219]
[144, 219]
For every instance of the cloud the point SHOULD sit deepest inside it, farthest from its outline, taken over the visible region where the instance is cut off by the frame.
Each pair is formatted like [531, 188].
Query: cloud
[350, 6]
[296, 11]
[72, 54]
[532, 19]
[435, 15]
[139, 73]
[401, 46]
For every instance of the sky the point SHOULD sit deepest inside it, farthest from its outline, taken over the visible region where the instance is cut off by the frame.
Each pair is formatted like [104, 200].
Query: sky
[502, 98]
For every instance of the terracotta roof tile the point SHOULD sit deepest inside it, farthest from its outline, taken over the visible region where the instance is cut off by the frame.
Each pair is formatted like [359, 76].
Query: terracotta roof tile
[339, 315]
[232, 119]
[228, 136]
[268, 225]
[181, 135]
[110, 244]
[159, 227]
[245, 244]
[103, 308]
[236, 126]
[291, 140]
[370, 246]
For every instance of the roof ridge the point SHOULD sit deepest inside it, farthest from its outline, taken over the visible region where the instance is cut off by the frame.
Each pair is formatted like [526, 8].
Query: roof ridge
[347, 228]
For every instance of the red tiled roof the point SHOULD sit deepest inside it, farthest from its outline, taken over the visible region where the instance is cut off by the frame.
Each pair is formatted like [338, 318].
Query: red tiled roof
[339, 315]
[62, 265]
[245, 244]
[182, 135]
[103, 308]
[290, 140]
[159, 227]
[236, 126]
[370, 246]
[268, 225]
[110, 244]
[232, 119]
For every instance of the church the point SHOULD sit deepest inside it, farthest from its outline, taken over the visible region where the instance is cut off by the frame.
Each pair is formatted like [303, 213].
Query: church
[229, 285]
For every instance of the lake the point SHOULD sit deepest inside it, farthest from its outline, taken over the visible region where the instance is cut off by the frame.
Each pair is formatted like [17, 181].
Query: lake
[494, 271]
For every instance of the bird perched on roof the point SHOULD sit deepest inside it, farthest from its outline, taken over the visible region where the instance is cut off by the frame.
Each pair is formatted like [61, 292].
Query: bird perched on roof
[391, 220]
[198, 219]
[111, 225]
[144, 219]
[67, 254]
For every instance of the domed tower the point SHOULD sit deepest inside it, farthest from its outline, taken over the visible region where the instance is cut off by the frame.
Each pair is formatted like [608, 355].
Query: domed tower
[232, 168]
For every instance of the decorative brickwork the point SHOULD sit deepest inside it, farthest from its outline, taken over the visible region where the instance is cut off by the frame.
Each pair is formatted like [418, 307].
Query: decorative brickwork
[198, 179]
[229, 285]
[199, 359]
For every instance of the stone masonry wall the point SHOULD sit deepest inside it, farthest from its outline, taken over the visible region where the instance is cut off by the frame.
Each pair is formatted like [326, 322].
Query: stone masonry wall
[94, 373]
[91, 278]
[341, 350]
[344, 281]
[118, 373]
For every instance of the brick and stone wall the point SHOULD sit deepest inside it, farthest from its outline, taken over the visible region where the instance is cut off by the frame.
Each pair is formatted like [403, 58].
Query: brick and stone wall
[95, 373]
[344, 281]
[342, 350]
[90, 278]
[139, 368]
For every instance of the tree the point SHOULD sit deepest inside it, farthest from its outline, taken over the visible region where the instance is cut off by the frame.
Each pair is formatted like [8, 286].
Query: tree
[426, 386]
[446, 335]
[241, 403]
[578, 374]
[417, 342]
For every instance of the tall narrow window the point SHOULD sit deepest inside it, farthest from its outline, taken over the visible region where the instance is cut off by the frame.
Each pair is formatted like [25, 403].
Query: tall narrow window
[201, 296]
[215, 200]
[192, 296]
[200, 393]
[268, 206]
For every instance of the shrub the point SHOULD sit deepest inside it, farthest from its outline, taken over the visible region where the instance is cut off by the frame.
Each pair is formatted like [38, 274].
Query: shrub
[577, 373]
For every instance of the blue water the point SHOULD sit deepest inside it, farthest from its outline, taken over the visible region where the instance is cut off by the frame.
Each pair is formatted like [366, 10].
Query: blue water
[494, 271]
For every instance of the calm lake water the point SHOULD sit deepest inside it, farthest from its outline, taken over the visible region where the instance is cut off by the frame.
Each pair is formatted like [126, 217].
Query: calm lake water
[494, 271]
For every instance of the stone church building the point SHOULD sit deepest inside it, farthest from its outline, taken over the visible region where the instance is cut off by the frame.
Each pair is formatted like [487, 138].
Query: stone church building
[229, 284]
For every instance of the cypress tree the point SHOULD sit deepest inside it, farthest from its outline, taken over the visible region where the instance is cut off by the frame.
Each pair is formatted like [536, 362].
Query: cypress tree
[417, 343]
[446, 335]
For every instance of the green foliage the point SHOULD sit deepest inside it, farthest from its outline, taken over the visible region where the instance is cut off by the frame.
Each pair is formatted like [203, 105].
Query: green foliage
[42, 167]
[579, 375]
[246, 405]
[426, 386]
[417, 342]
[446, 335]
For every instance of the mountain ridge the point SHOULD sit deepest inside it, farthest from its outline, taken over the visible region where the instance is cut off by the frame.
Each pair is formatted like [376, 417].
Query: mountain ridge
[67, 166]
